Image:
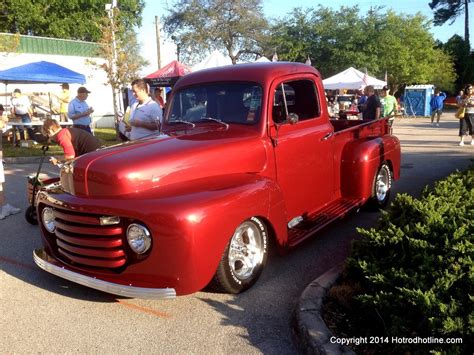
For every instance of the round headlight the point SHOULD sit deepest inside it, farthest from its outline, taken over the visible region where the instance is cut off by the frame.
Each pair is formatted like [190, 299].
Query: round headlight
[138, 238]
[48, 219]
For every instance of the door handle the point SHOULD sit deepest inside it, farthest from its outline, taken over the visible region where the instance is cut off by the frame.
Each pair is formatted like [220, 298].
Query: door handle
[327, 136]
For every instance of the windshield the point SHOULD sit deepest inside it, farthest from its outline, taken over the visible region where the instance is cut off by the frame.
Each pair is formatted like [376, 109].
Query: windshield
[233, 103]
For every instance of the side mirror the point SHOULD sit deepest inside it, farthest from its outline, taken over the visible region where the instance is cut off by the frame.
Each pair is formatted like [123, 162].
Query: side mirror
[292, 118]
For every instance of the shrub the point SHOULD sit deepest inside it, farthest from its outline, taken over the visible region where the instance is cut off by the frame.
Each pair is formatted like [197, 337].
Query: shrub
[416, 269]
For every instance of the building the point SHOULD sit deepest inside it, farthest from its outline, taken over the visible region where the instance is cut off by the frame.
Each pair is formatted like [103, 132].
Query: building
[74, 55]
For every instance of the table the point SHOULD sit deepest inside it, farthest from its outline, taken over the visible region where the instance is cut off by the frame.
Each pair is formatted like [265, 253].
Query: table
[14, 126]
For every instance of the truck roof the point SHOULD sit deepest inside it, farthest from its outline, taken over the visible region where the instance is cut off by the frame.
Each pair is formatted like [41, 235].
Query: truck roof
[263, 73]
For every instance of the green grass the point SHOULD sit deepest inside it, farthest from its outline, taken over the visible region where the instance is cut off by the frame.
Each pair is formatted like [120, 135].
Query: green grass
[106, 135]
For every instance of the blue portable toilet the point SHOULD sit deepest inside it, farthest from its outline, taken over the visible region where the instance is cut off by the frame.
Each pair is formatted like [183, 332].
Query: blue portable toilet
[416, 100]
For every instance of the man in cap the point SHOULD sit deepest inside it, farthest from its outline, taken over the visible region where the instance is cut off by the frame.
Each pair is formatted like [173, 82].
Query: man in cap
[79, 111]
[64, 98]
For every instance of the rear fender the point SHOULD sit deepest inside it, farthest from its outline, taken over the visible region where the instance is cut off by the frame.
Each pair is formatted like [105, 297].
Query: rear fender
[360, 161]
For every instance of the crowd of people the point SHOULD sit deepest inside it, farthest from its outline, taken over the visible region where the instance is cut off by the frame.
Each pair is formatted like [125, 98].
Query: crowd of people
[369, 104]
[145, 119]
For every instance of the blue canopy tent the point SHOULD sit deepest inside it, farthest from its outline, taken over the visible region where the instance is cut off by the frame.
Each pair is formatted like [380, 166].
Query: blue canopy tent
[40, 72]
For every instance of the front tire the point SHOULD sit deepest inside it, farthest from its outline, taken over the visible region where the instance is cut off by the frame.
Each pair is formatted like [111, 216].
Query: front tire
[381, 187]
[244, 258]
[31, 215]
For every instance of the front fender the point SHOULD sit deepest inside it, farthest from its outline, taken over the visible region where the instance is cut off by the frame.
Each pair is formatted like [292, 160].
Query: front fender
[190, 222]
[218, 206]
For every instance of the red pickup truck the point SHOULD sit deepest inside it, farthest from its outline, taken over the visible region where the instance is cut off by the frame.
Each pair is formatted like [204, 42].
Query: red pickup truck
[247, 156]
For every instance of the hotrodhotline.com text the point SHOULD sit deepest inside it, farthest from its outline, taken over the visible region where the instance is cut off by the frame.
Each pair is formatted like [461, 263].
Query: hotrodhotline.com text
[393, 340]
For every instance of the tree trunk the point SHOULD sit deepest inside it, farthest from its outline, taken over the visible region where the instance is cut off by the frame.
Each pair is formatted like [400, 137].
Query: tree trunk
[466, 22]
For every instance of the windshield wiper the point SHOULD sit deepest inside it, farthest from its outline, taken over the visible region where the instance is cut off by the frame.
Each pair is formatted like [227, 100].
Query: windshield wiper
[215, 120]
[181, 121]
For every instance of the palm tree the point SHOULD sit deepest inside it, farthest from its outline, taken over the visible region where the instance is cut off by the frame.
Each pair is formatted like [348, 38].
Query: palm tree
[448, 10]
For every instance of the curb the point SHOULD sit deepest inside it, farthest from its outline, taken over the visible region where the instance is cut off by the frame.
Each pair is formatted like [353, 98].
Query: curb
[313, 336]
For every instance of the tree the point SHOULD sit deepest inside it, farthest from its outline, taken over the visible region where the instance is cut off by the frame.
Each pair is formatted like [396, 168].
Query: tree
[235, 26]
[9, 43]
[70, 19]
[121, 51]
[448, 10]
[463, 60]
[398, 44]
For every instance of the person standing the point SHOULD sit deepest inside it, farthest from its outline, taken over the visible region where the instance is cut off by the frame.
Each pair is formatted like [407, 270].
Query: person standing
[389, 102]
[159, 97]
[5, 208]
[145, 113]
[64, 97]
[459, 98]
[372, 105]
[21, 108]
[79, 111]
[436, 104]
[467, 122]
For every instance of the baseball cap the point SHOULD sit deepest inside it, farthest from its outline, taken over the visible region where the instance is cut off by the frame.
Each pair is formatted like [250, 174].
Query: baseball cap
[82, 90]
[385, 88]
[65, 85]
[17, 90]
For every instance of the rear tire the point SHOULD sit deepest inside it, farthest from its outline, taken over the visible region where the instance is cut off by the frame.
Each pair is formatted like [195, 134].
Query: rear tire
[31, 215]
[381, 188]
[243, 259]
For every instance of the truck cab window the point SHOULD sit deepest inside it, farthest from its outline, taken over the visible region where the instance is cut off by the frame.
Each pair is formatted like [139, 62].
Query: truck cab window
[229, 102]
[299, 97]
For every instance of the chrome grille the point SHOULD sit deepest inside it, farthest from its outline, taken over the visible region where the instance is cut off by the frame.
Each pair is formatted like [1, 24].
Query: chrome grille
[81, 239]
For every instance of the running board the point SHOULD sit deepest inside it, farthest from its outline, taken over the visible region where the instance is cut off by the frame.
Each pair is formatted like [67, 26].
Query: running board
[318, 220]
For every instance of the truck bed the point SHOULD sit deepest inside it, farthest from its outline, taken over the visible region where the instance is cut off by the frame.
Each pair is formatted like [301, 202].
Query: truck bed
[360, 128]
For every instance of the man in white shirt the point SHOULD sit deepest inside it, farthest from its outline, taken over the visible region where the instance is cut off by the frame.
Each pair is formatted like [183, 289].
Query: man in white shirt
[21, 108]
[146, 114]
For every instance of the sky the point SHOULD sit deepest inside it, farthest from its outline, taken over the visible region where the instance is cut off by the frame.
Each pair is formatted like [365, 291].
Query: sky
[280, 8]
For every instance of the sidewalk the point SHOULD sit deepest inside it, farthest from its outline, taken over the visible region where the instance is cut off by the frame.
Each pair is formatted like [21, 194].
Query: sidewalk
[428, 154]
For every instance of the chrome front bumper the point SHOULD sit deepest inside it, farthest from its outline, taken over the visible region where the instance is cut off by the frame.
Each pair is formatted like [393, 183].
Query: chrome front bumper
[40, 257]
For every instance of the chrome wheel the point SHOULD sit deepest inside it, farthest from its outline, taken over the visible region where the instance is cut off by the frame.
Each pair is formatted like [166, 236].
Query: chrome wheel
[243, 259]
[381, 187]
[246, 250]
[382, 183]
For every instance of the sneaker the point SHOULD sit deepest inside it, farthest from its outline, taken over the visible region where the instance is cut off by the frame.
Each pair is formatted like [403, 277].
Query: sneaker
[472, 142]
[461, 143]
[8, 210]
[437, 125]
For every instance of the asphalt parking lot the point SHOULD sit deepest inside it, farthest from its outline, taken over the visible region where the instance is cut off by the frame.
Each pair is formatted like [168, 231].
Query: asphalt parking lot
[41, 313]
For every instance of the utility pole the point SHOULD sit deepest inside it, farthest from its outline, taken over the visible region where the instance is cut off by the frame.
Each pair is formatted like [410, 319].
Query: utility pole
[109, 8]
[158, 41]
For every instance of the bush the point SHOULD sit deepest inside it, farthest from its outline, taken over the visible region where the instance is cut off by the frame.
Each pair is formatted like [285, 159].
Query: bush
[416, 269]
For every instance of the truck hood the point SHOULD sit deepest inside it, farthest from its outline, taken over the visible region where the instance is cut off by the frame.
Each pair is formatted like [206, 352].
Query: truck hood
[162, 160]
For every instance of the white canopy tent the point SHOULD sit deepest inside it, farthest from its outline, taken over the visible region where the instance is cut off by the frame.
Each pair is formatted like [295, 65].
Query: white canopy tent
[263, 60]
[215, 59]
[352, 79]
